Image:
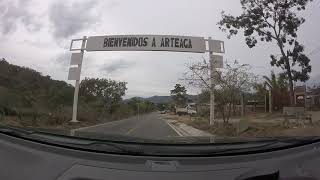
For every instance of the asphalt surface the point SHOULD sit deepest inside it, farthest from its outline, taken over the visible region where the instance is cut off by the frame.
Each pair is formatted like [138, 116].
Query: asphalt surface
[150, 126]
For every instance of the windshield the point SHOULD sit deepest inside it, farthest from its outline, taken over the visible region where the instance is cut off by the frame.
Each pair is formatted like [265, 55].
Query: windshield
[168, 72]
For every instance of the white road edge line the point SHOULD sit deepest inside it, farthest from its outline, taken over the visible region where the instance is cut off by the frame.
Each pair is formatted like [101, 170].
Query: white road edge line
[72, 131]
[82, 128]
[174, 128]
[91, 126]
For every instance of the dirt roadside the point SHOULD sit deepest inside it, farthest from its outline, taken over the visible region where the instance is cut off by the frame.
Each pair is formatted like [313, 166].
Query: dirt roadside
[257, 125]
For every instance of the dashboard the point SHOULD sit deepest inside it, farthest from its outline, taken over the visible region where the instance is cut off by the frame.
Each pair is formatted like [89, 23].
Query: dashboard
[24, 159]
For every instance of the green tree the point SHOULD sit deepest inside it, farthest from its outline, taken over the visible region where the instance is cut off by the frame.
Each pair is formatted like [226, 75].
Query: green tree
[179, 95]
[273, 21]
[134, 104]
[141, 106]
[275, 82]
[278, 86]
[107, 90]
[203, 97]
[230, 83]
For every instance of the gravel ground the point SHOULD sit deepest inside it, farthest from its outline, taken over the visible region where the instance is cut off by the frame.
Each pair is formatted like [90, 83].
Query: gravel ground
[259, 125]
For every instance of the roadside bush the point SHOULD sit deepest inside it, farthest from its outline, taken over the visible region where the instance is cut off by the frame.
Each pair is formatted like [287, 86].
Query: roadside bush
[55, 120]
[88, 116]
[123, 111]
[88, 113]
[223, 129]
[203, 112]
[27, 122]
[201, 123]
[8, 111]
[2, 116]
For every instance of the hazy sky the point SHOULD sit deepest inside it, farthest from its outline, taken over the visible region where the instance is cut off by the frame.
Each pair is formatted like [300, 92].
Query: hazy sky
[37, 34]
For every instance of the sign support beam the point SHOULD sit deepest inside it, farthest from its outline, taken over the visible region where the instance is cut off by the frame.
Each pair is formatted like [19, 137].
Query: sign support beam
[77, 85]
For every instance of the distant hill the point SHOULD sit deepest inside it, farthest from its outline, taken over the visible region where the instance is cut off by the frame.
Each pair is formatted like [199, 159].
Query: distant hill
[22, 87]
[153, 99]
[163, 99]
[159, 99]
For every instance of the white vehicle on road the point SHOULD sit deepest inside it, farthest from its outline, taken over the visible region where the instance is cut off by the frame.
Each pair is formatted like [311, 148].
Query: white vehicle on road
[189, 109]
[163, 112]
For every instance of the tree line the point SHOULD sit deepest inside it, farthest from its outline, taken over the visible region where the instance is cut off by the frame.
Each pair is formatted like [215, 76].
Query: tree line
[268, 21]
[29, 96]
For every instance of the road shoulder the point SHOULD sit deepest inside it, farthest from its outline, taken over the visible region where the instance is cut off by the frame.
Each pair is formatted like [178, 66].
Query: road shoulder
[185, 130]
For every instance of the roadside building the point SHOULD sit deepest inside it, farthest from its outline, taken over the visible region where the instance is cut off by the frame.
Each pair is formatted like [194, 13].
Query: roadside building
[299, 95]
[307, 97]
[313, 98]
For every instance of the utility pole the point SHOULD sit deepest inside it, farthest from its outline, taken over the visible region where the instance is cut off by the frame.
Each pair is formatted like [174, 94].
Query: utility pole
[265, 102]
[212, 71]
[242, 104]
[305, 95]
[270, 100]
[138, 111]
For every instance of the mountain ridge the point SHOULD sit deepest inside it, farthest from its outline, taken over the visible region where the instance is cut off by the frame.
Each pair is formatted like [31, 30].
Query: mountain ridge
[161, 99]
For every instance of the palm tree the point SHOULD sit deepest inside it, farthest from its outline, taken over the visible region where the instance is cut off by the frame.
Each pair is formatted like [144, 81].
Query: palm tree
[275, 82]
[278, 86]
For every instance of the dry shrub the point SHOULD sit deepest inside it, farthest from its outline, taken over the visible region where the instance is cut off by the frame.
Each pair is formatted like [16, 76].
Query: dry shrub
[58, 117]
[88, 116]
[223, 129]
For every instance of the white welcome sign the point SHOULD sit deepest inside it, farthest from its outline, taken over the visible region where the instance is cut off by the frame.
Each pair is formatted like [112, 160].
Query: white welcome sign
[143, 43]
[146, 43]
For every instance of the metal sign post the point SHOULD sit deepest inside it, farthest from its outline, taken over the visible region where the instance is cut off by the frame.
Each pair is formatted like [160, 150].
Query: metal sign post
[77, 78]
[145, 43]
[215, 61]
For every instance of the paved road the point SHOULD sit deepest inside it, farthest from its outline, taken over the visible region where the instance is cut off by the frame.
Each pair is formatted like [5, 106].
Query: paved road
[150, 126]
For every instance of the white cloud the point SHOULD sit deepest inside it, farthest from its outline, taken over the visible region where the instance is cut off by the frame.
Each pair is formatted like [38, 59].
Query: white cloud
[147, 73]
[68, 19]
[115, 66]
[15, 12]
